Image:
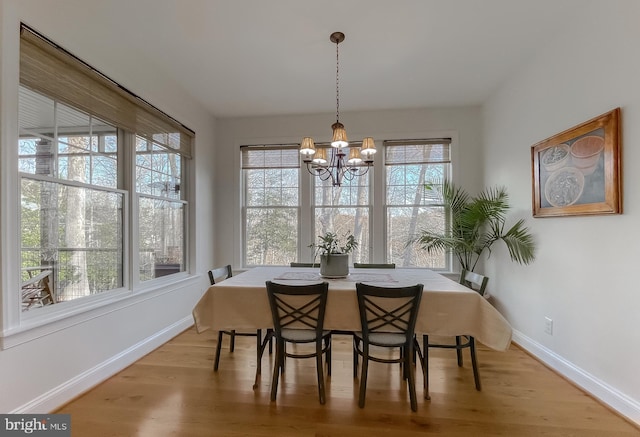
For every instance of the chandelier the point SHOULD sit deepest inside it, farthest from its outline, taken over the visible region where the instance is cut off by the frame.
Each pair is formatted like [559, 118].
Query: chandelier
[360, 158]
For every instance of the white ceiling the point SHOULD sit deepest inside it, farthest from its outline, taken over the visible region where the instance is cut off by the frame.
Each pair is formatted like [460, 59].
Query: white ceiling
[267, 57]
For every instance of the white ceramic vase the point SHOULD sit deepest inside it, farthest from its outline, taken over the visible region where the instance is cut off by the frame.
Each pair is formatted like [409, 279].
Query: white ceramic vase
[335, 265]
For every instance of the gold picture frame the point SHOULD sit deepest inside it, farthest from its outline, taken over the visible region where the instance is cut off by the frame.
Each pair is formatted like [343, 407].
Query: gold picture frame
[578, 171]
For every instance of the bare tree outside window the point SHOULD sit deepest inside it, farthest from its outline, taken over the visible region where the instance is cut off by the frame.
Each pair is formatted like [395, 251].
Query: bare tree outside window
[271, 204]
[71, 217]
[410, 166]
[345, 209]
[161, 208]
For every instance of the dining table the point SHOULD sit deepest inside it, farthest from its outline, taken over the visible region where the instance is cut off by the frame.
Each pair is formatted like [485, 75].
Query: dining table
[447, 308]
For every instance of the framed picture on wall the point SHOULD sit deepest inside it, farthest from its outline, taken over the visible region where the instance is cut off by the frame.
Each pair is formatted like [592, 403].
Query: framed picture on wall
[578, 171]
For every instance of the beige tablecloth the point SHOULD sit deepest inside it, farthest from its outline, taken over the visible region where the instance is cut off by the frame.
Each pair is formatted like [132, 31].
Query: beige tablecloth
[447, 308]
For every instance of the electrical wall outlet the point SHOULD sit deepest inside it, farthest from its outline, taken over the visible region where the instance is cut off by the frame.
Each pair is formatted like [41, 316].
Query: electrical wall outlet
[548, 326]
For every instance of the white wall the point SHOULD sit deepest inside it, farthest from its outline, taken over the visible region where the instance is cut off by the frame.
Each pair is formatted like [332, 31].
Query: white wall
[231, 133]
[66, 359]
[583, 277]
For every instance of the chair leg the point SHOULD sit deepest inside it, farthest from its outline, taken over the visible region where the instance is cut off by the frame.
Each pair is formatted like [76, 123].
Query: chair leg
[218, 347]
[458, 351]
[356, 345]
[328, 347]
[276, 368]
[476, 375]
[411, 378]
[425, 367]
[320, 371]
[258, 351]
[363, 375]
[232, 346]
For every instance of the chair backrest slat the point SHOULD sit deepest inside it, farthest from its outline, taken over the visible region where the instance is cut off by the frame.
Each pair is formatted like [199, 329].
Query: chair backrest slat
[298, 306]
[297, 264]
[379, 318]
[220, 274]
[374, 266]
[474, 281]
[388, 309]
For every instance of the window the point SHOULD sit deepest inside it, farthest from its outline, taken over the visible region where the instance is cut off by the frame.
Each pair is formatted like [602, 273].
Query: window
[71, 211]
[276, 228]
[411, 167]
[271, 176]
[344, 209]
[161, 213]
[89, 152]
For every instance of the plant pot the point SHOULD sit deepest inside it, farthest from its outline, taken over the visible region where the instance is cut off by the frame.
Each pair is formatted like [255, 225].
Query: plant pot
[335, 265]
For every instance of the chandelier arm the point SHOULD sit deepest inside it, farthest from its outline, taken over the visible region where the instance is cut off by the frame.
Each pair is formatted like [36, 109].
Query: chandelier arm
[358, 170]
[318, 170]
[355, 171]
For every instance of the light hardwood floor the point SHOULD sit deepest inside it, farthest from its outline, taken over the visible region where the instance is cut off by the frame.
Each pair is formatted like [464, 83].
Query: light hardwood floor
[173, 391]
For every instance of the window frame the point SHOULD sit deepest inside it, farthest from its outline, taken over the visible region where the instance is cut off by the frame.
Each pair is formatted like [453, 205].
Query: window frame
[448, 174]
[19, 327]
[243, 197]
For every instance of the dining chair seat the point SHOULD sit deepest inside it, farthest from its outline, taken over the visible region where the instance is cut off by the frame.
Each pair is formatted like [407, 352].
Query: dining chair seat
[301, 335]
[386, 339]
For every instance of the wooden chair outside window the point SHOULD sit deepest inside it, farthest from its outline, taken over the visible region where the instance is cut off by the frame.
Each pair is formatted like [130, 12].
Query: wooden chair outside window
[36, 289]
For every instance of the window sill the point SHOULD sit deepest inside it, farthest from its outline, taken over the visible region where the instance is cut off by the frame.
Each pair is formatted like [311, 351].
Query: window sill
[64, 315]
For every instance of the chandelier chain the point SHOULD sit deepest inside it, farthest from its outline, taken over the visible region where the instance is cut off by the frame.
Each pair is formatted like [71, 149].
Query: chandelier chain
[337, 83]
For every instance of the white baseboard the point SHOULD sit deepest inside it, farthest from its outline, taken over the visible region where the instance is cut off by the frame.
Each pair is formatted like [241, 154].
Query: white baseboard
[608, 395]
[79, 384]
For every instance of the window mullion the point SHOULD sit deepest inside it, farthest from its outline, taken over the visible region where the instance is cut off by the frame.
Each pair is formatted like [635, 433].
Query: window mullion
[306, 226]
[127, 177]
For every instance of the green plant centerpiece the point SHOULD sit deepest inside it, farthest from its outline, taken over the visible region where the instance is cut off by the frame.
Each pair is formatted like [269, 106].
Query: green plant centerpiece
[476, 224]
[334, 255]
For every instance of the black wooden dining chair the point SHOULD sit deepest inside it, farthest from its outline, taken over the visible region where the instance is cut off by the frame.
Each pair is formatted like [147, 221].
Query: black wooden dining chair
[298, 317]
[215, 276]
[374, 266]
[388, 318]
[297, 264]
[477, 283]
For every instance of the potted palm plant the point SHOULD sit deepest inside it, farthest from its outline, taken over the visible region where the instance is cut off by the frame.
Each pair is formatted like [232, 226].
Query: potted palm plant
[334, 256]
[476, 224]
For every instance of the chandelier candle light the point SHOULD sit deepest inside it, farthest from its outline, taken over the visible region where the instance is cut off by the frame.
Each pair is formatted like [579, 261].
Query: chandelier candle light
[336, 169]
